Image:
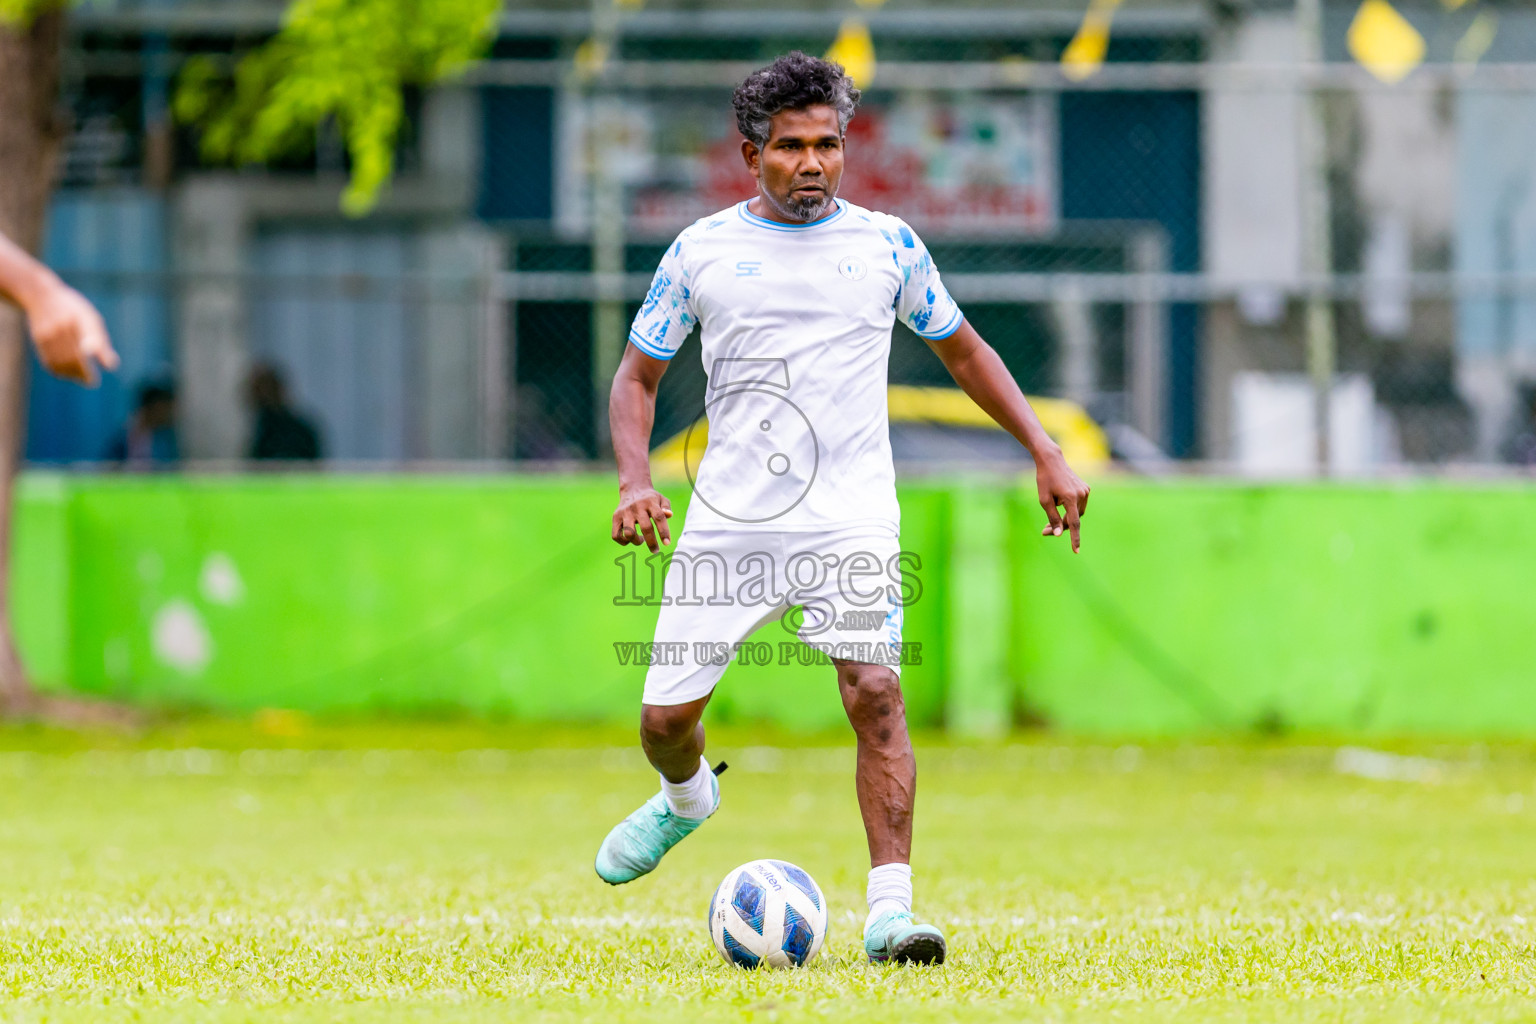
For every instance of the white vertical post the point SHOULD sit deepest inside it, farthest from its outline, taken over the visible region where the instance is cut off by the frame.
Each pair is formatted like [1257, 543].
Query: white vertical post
[1317, 241]
[212, 354]
[608, 333]
[1147, 353]
[1079, 348]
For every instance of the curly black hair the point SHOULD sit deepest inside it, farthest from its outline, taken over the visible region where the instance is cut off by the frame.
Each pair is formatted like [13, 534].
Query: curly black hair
[793, 82]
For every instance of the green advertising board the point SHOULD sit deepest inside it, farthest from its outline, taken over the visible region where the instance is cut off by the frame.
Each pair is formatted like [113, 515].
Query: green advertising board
[1194, 607]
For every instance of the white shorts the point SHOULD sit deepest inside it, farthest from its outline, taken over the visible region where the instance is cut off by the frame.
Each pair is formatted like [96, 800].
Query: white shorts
[841, 589]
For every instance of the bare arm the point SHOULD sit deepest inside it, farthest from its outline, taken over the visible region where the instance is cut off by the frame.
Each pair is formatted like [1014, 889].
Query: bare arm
[643, 511]
[70, 336]
[979, 370]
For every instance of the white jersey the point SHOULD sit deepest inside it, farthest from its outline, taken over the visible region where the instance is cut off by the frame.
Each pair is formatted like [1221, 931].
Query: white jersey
[796, 334]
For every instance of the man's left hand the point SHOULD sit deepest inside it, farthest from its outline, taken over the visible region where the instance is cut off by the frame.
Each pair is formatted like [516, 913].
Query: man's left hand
[1060, 488]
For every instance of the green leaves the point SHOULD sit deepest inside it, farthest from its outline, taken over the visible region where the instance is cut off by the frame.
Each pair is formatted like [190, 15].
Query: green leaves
[21, 12]
[346, 60]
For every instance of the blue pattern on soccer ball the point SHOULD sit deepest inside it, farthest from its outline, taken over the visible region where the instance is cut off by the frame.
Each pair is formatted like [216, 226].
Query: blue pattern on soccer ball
[798, 936]
[750, 901]
[800, 880]
[709, 916]
[737, 953]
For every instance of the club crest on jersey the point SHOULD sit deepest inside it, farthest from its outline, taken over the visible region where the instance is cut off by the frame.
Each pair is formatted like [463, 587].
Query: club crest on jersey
[852, 268]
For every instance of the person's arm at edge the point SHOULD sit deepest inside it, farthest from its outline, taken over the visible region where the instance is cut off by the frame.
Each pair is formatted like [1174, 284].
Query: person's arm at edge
[980, 372]
[631, 413]
[69, 333]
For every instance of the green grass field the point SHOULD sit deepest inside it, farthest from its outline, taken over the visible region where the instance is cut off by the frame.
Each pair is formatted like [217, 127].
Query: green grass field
[443, 873]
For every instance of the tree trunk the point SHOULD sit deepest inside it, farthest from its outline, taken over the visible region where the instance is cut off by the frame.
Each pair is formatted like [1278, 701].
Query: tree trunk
[32, 129]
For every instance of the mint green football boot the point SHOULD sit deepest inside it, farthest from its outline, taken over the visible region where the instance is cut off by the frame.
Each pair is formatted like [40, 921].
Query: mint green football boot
[637, 844]
[895, 936]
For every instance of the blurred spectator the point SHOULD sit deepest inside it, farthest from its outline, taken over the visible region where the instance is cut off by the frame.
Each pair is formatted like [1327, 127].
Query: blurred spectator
[280, 434]
[149, 439]
[1520, 448]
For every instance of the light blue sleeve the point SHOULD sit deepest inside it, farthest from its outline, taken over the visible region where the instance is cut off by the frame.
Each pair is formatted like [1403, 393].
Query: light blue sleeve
[923, 303]
[667, 315]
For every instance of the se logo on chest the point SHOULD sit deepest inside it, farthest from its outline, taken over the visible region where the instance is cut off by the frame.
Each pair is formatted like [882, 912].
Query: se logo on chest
[852, 268]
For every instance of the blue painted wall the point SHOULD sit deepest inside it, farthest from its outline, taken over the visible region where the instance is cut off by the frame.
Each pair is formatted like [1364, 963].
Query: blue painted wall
[112, 245]
[348, 353]
[517, 178]
[1136, 156]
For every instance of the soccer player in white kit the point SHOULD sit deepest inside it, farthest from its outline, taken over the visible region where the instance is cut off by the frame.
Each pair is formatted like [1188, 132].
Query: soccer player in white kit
[796, 292]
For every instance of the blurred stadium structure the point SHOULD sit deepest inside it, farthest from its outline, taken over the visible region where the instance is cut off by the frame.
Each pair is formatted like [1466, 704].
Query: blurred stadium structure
[1137, 235]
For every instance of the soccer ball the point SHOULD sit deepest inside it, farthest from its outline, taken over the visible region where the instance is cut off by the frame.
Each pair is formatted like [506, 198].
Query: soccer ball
[768, 912]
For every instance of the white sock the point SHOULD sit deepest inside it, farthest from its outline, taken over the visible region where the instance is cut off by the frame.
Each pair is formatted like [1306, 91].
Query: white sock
[694, 798]
[890, 888]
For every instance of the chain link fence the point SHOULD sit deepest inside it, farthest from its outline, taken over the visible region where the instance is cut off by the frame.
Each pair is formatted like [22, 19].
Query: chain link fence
[1141, 247]
[1141, 241]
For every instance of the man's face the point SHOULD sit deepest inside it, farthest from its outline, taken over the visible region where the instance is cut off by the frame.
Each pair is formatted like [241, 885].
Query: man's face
[799, 168]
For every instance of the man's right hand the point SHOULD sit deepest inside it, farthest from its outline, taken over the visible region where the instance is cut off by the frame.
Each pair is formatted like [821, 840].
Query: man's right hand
[70, 335]
[642, 518]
